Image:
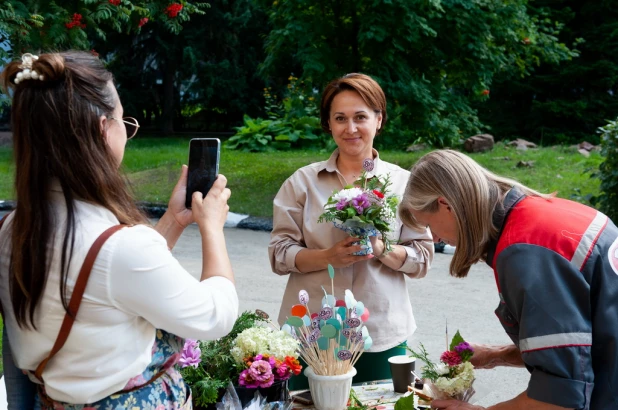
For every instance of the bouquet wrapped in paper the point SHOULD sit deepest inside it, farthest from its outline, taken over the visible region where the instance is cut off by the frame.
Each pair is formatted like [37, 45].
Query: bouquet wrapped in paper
[452, 377]
[363, 209]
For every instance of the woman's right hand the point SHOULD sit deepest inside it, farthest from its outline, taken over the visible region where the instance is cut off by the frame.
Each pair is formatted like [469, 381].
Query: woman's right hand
[210, 212]
[341, 254]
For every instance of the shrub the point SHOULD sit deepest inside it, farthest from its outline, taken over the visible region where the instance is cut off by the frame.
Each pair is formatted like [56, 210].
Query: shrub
[293, 123]
[607, 200]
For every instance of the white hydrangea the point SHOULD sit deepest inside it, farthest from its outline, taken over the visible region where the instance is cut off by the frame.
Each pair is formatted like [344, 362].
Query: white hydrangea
[347, 194]
[263, 340]
[459, 383]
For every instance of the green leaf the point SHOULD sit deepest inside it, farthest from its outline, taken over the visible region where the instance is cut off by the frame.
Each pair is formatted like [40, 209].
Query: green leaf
[456, 340]
[405, 403]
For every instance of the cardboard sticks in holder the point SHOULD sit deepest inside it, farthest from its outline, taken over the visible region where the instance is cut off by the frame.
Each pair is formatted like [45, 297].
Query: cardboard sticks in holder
[333, 339]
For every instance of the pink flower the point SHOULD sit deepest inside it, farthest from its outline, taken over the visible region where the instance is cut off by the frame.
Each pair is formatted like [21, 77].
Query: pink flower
[261, 372]
[450, 358]
[284, 372]
[191, 354]
[247, 380]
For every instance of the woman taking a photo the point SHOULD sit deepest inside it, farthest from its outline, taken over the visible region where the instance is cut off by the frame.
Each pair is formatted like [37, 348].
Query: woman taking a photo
[353, 111]
[138, 302]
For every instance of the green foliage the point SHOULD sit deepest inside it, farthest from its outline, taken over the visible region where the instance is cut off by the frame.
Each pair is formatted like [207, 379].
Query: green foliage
[456, 340]
[434, 59]
[405, 403]
[63, 24]
[429, 371]
[214, 372]
[563, 103]
[293, 123]
[607, 200]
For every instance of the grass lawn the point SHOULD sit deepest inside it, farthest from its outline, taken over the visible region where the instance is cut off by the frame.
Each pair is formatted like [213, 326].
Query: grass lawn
[153, 166]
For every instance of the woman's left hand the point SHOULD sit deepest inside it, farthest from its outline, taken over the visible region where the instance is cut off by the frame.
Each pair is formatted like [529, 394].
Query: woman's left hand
[377, 243]
[176, 205]
[454, 405]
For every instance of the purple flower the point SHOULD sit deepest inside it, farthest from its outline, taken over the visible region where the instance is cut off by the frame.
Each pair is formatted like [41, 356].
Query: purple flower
[360, 203]
[463, 346]
[465, 351]
[341, 204]
[191, 354]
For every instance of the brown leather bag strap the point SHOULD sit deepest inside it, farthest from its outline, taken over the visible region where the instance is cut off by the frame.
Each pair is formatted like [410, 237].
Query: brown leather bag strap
[4, 219]
[2, 223]
[76, 297]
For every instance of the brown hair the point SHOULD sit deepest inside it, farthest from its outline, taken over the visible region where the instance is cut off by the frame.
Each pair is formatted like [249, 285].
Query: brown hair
[57, 137]
[369, 90]
[473, 193]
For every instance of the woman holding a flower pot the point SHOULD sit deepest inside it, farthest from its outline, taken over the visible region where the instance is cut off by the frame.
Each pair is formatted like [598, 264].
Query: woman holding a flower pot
[556, 270]
[353, 111]
[95, 305]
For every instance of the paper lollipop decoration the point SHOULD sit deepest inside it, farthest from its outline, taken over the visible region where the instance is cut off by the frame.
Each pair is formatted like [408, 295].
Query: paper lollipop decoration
[331, 340]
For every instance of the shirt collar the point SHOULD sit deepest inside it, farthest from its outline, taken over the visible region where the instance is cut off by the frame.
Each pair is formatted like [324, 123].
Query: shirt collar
[501, 213]
[330, 165]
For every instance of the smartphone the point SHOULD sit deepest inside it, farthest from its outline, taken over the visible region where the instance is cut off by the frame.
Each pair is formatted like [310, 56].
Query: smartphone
[203, 166]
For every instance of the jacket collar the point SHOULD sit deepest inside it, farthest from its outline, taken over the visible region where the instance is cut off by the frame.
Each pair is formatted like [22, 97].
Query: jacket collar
[501, 213]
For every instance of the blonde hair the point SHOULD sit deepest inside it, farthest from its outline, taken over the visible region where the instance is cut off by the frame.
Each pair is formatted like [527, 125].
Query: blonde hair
[472, 192]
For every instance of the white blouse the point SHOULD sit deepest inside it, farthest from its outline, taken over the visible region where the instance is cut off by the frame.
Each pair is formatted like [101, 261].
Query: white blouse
[136, 286]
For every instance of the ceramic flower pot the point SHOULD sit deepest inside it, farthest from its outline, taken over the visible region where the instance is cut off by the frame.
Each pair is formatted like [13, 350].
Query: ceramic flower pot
[330, 392]
[278, 391]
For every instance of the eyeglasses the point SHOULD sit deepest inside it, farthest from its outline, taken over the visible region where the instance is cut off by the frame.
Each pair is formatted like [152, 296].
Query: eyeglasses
[130, 124]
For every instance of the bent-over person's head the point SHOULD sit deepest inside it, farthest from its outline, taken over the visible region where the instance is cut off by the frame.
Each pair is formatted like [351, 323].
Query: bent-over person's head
[455, 197]
[369, 90]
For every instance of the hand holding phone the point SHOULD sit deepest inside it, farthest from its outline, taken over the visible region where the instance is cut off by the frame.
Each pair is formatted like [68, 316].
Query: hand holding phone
[203, 166]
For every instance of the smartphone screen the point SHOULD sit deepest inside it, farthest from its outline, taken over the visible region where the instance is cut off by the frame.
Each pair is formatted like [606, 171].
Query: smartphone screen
[203, 166]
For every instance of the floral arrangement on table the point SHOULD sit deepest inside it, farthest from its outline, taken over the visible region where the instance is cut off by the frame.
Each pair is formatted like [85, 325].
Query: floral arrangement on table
[453, 376]
[333, 339]
[265, 356]
[363, 209]
[209, 366]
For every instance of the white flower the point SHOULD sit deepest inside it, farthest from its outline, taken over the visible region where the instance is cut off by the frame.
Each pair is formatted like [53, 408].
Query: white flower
[263, 340]
[442, 368]
[458, 384]
[347, 194]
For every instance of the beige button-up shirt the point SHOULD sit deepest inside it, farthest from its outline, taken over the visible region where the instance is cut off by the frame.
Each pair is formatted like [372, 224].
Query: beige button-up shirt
[297, 206]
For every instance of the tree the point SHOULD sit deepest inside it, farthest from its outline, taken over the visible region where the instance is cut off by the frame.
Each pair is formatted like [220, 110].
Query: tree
[434, 59]
[564, 103]
[30, 24]
[205, 77]
[34, 25]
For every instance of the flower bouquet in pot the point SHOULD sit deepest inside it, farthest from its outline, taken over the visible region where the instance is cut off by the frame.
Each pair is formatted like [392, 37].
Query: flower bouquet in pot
[265, 358]
[363, 209]
[330, 342]
[208, 367]
[453, 377]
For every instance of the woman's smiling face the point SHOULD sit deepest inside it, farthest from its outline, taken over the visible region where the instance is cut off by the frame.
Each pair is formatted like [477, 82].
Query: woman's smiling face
[353, 124]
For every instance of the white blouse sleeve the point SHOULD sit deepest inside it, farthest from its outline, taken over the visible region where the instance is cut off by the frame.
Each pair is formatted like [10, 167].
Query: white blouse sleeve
[147, 281]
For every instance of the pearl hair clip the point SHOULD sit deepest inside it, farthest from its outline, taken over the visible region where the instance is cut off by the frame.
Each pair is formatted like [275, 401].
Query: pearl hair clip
[27, 73]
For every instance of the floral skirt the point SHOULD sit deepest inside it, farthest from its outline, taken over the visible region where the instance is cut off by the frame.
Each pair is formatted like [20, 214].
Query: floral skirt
[167, 392]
